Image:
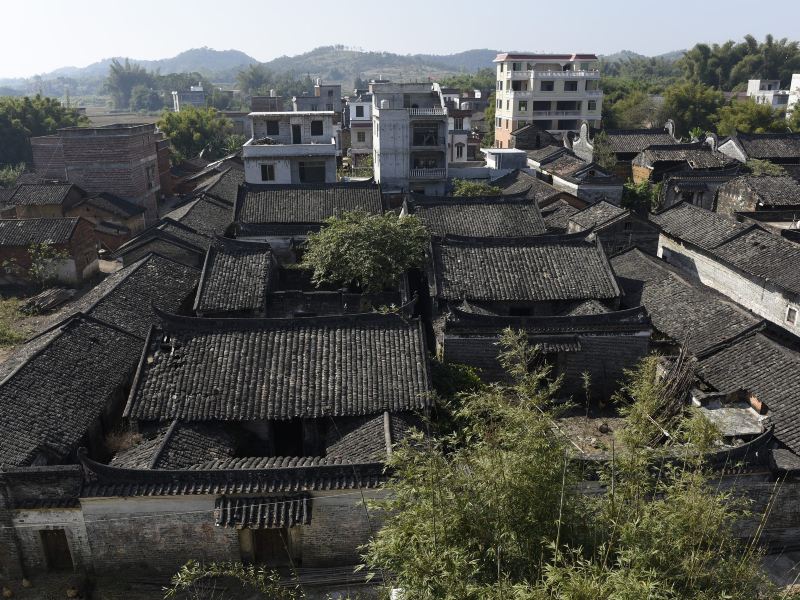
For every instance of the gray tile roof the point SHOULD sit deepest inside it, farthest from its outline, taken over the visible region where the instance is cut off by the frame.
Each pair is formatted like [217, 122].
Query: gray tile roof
[225, 186]
[598, 214]
[695, 155]
[769, 371]
[769, 145]
[549, 267]
[126, 298]
[773, 191]
[478, 217]
[697, 226]
[24, 232]
[557, 215]
[114, 204]
[56, 392]
[258, 208]
[546, 152]
[236, 277]
[262, 512]
[633, 141]
[43, 194]
[204, 215]
[518, 182]
[249, 369]
[688, 313]
[363, 440]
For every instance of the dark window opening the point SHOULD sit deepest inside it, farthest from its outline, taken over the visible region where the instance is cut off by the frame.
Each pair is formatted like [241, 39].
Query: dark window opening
[297, 134]
[56, 550]
[359, 111]
[570, 86]
[312, 172]
[273, 128]
[791, 315]
[426, 135]
[519, 311]
[547, 86]
[267, 172]
[316, 127]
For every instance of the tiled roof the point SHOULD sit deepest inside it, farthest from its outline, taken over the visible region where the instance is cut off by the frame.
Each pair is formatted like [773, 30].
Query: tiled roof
[598, 214]
[588, 307]
[565, 165]
[185, 233]
[547, 152]
[557, 215]
[225, 186]
[363, 440]
[262, 512]
[773, 191]
[745, 247]
[43, 194]
[204, 215]
[24, 232]
[126, 298]
[59, 390]
[765, 255]
[518, 182]
[236, 277]
[768, 370]
[696, 155]
[249, 369]
[549, 267]
[688, 313]
[633, 141]
[697, 226]
[266, 205]
[478, 217]
[769, 145]
[114, 204]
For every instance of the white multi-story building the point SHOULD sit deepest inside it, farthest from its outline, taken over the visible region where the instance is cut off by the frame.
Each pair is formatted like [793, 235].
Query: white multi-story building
[794, 95]
[195, 96]
[768, 91]
[554, 91]
[291, 147]
[409, 137]
[360, 121]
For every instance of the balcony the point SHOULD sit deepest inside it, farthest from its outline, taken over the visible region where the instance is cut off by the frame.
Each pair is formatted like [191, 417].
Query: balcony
[566, 74]
[435, 111]
[427, 173]
[557, 113]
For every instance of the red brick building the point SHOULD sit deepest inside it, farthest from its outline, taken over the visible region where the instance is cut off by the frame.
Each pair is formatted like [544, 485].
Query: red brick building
[119, 159]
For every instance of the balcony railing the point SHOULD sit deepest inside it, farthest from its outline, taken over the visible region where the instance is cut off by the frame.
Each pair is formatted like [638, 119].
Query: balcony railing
[428, 173]
[517, 75]
[557, 113]
[435, 111]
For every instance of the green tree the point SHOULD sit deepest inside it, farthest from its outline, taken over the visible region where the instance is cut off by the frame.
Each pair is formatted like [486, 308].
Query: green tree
[44, 258]
[643, 196]
[483, 79]
[255, 77]
[691, 104]
[495, 510]
[24, 117]
[195, 130]
[144, 98]
[793, 120]
[466, 187]
[602, 154]
[367, 251]
[635, 110]
[749, 117]
[488, 119]
[10, 173]
[233, 144]
[764, 167]
[122, 78]
[196, 581]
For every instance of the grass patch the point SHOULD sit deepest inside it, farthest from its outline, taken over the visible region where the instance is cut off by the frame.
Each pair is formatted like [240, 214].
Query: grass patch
[9, 315]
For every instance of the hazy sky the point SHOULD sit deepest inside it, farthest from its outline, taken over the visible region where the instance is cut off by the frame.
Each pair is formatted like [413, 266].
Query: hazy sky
[41, 35]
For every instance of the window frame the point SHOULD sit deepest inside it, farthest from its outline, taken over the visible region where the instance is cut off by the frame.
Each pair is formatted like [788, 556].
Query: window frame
[317, 124]
[270, 169]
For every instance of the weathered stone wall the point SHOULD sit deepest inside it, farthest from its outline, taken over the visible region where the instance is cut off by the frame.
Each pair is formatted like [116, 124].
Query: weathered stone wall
[762, 298]
[733, 197]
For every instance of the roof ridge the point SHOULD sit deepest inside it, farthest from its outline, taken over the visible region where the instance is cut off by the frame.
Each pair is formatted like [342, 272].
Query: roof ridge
[461, 240]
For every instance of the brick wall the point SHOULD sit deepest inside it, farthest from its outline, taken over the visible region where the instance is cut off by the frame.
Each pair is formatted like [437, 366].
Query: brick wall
[48, 157]
[762, 298]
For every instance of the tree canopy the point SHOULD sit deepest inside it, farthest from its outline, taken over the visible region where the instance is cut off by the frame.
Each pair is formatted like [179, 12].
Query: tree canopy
[749, 117]
[24, 117]
[465, 187]
[195, 130]
[367, 251]
[494, 510]
[691, 104]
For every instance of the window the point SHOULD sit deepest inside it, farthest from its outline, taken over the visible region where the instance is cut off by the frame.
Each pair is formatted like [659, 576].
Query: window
[458, 122]
[592, 105]
[502, 66]
[267, 172]
[791, 315]
[628, 226]
[508, 104]
[570, 86]
[329, 107]
[425, 135]
[515, 66]
[523, 106]
[312, 172]
[361, 136]
[498, 122]
[316, 127]
[459, 150]
[359, 111]
[330, 93]
[499, 105]
[547, 86]
[273, 128]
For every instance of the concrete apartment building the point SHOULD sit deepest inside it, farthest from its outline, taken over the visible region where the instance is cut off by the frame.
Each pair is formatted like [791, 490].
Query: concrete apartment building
[409, 137]
[120, 159]
[768, 91]
[554, 91]
[291, 147]
[327, 97]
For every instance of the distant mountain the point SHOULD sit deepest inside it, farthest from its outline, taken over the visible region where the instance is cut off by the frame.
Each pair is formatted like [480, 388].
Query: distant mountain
[624, 55]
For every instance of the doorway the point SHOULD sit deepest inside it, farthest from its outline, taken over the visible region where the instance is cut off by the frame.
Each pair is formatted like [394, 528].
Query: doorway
[56, 550]
[297, 134]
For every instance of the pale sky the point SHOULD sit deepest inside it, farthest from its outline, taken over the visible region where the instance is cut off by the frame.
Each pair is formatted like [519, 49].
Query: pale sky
[41, 35]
